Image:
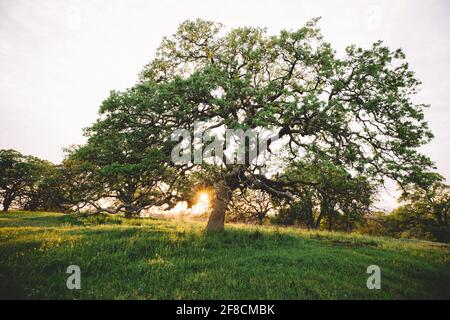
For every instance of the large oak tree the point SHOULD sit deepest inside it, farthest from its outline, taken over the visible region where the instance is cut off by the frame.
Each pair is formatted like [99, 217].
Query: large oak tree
[352, 110]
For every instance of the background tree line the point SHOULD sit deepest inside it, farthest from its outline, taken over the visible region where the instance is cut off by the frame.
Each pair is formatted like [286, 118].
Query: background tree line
[338, 203]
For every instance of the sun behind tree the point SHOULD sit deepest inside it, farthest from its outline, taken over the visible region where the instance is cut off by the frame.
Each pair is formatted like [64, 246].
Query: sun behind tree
[202, 205]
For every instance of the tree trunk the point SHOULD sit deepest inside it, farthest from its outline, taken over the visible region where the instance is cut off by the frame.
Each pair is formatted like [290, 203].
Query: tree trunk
[318, 221]
[261, 217]
[128, 215]
[130, 211]
[216, 220]
[6, 204]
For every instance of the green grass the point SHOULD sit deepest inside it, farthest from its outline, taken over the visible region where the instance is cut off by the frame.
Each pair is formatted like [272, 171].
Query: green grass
[166, 259]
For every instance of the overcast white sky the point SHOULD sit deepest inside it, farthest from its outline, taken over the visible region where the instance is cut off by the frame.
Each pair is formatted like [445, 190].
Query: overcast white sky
[59, 59]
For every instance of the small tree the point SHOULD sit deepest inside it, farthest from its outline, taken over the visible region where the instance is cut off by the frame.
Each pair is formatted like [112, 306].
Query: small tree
[249, 206]
[324, 193]
[45, 194]
[19, 175]
[430, 201]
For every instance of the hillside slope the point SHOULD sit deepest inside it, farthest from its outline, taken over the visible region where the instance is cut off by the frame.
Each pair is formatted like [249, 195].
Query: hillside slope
[167, 259]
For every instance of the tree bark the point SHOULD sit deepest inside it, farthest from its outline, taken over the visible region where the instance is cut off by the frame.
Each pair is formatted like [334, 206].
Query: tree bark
[216, 220]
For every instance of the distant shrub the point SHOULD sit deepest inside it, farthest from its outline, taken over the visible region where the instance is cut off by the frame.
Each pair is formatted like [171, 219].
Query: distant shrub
[405, 223]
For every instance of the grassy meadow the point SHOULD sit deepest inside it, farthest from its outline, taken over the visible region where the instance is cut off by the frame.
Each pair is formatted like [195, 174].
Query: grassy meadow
[169, 259]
